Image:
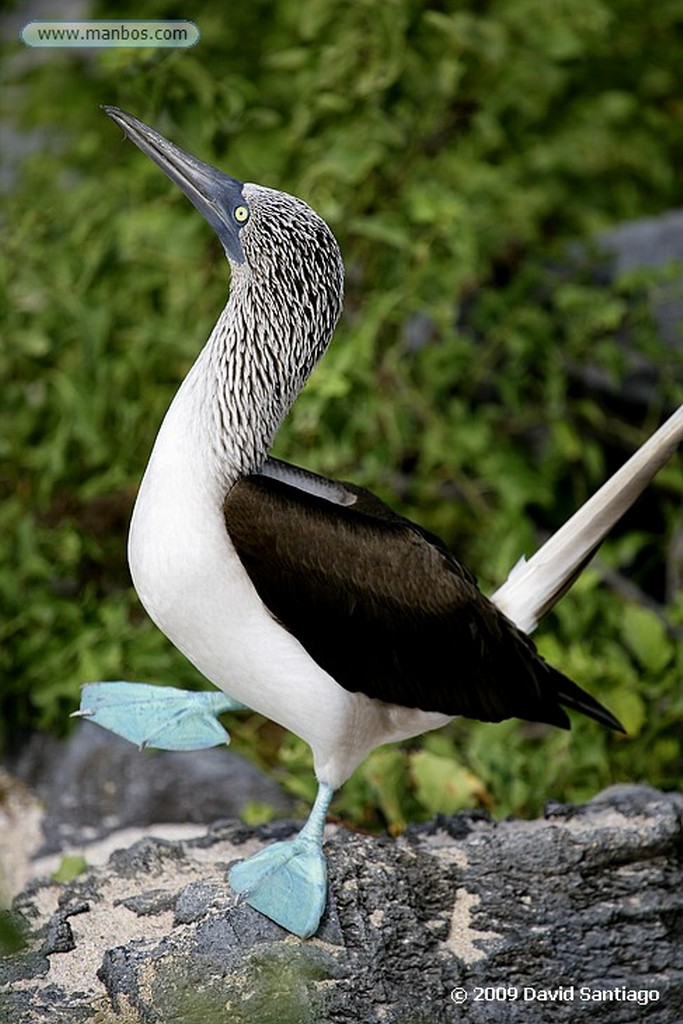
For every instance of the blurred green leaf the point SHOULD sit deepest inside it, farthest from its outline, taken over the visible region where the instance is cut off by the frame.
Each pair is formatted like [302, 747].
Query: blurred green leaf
[70, 867]
[385, 771]
[645, 635]
[442, 785]
[12, 938]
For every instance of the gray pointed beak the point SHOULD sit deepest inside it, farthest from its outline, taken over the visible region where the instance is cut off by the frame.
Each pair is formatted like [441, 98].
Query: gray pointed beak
[215, 194]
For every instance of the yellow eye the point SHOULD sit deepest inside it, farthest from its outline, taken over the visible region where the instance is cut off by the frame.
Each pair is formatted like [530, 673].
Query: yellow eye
[241, 214]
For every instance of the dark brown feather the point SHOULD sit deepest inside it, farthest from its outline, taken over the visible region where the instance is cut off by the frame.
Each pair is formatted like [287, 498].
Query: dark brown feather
[386, 609]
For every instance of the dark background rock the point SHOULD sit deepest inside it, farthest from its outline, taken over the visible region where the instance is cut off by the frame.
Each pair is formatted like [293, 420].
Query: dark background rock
[586, 897]
[96, 783]
[653, 243]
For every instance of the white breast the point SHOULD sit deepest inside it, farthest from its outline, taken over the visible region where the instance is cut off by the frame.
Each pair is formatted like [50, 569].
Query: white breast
[193, 585]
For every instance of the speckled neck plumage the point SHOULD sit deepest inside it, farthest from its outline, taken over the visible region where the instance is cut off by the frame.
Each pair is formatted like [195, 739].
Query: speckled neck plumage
[284, 304]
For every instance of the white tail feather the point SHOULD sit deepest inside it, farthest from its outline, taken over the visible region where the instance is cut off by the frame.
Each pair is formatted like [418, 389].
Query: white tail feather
[533, 587]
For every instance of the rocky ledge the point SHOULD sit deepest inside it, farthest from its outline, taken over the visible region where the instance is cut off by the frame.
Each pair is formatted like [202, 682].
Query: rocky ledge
[575, 916]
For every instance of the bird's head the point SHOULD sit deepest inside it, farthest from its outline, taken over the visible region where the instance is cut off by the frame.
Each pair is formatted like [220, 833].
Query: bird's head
[285, 297]
[265, 233]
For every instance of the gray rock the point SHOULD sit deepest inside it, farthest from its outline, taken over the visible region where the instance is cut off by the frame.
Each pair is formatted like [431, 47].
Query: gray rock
[655, 244]
[461, 920]
[96, 783]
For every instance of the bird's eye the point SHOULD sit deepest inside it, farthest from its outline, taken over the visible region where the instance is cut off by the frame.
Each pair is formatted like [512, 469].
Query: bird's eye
[241, 214]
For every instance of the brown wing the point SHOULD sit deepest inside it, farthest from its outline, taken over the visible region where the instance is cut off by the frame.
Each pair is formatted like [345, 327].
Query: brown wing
[386, 609]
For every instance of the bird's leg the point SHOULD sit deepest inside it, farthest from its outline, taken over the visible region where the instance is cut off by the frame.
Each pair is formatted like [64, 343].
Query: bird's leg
[158, 716]
[288, 881]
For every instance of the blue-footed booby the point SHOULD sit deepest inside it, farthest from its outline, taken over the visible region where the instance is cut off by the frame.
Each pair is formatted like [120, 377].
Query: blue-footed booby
[306, 599]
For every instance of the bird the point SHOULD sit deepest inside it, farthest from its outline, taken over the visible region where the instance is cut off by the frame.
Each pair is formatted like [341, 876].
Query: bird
[308, 599]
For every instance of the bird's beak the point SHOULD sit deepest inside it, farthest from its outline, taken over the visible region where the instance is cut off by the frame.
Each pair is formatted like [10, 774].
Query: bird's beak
[214, 193]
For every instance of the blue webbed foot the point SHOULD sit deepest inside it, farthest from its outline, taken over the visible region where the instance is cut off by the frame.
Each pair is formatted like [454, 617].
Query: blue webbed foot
[158, 716]
[288, 881]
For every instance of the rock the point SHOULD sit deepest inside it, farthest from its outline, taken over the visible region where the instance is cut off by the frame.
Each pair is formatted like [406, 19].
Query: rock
[648, 244]
[66, 796]
[653, 243]
[464, 919]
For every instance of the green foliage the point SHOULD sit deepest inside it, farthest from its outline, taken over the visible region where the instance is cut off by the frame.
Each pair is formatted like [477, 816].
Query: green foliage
[70, 867]
[11, 935]
[456, 149]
